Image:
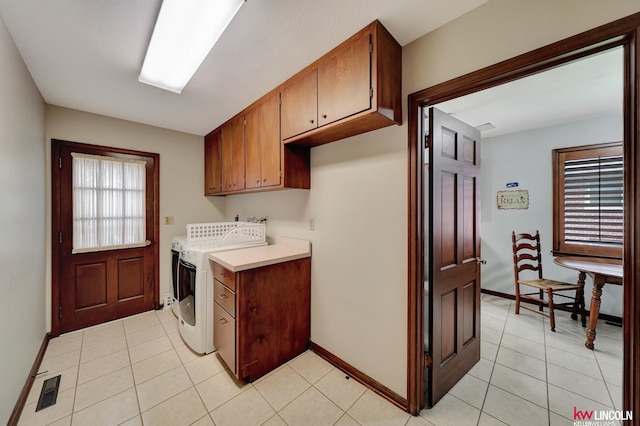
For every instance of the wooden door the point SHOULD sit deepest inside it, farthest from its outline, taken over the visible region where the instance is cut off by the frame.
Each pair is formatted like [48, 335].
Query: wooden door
[300, 104]
[263, 144]
[212, 165]
[100, 286]
[344, 81]
[454, 272]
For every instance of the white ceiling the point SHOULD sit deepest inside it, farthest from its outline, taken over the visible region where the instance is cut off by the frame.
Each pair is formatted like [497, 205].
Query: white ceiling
[87, 54]
[576, 91]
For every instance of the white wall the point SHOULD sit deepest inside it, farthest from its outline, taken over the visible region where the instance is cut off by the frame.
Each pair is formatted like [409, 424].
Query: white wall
[22, 223]
[359, 248]
[525, 157]
[181, 174]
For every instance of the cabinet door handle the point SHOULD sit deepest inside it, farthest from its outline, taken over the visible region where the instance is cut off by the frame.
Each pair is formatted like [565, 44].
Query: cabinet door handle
[324, 115]
[311, 121]
[222, 296]
[257, 180]
[223, 321]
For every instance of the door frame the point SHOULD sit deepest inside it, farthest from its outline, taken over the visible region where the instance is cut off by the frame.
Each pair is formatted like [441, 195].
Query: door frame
[55, 224]
[622, 32]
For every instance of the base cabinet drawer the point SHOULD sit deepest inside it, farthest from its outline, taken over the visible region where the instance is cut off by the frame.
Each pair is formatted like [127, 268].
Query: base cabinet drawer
[224, 336]
[225, 276]
[224, 297]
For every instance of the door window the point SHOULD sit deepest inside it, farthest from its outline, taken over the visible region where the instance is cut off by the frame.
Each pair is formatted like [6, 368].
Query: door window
[108, 203]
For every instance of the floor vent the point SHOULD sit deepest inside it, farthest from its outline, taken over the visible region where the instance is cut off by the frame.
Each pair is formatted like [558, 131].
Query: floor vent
[49, 393]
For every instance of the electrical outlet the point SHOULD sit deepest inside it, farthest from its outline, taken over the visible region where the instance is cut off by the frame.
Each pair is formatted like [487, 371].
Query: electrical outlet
[168, 220]
[312, 224]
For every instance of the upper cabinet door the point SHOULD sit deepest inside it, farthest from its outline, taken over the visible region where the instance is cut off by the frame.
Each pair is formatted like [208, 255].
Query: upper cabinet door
[253, 155]
[212, 164]
[262, 133]
[300, 104]
[344, 81]
[238, 153]
[270, 141]
[226, 143]
[232, 136]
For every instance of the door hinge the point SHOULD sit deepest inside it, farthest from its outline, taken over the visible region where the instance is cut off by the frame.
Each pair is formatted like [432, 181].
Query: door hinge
[371, 92]
[370, 47]
[59, 237]
[59, 162]
[428, 361]
[427, 142]
[60, 312]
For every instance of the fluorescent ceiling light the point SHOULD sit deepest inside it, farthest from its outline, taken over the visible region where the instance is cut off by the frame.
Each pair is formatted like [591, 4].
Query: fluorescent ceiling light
[185, 32]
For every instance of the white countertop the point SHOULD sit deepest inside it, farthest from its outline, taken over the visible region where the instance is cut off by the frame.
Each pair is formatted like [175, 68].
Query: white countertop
[284, 250]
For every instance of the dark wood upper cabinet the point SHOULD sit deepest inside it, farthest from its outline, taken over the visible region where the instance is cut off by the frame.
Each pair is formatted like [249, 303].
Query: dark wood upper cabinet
[251, 156]
[300, 104]
[262, 135]
[344, 80]
[353, 89]
[233, 154]
[212, 163]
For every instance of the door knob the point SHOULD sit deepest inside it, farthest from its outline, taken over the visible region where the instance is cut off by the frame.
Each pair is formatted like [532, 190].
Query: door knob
[480, 261]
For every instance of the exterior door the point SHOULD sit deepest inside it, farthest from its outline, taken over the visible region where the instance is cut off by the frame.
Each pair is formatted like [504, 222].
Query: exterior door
[99, 286]
[454, 245]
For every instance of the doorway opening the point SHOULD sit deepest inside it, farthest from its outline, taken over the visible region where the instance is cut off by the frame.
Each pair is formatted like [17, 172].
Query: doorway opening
[620, 35]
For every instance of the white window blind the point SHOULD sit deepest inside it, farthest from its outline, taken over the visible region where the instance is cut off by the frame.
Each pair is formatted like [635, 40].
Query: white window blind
[593, 201]
[108, 203]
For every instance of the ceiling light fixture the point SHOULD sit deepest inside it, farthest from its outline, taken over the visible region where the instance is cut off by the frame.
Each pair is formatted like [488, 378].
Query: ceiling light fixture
[486, 126]
[185, 32]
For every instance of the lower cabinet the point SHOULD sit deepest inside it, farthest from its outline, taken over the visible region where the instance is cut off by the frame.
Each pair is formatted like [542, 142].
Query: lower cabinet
[262, 316]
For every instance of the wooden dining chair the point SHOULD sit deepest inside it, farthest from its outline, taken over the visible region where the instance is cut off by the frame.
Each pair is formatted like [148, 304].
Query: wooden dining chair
[527, 256]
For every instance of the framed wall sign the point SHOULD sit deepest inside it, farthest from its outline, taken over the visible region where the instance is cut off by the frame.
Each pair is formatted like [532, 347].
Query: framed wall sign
[513, 200]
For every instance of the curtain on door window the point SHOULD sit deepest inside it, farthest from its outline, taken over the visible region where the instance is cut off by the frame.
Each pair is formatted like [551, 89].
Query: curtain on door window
[108, 203]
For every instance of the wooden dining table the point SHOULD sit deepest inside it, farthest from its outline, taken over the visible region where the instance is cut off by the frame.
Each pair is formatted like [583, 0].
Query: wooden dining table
[603, 271]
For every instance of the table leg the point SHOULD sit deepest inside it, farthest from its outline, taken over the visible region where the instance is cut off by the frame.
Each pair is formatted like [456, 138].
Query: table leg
[594, 310]
[578, 305]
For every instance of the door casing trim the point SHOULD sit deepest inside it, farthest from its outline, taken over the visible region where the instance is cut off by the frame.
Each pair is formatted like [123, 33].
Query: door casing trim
[625, 32]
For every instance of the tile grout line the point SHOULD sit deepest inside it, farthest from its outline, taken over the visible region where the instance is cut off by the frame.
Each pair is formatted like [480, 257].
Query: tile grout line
[546, 370]
[133, 377]
[495, 360]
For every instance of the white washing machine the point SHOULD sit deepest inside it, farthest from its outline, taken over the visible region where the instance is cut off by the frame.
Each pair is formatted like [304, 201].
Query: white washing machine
[177, 243]
[195, 277]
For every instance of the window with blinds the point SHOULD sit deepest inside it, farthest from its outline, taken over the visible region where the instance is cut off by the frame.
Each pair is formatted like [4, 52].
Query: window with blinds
[108, 203]
[588, 200]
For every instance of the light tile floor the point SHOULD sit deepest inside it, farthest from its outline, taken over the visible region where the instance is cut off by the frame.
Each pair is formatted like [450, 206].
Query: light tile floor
[138, 371]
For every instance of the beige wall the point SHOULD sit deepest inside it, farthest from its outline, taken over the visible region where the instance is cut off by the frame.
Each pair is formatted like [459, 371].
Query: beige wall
[359, 185]
[501, 163]
[22, 223]
[181, 174]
